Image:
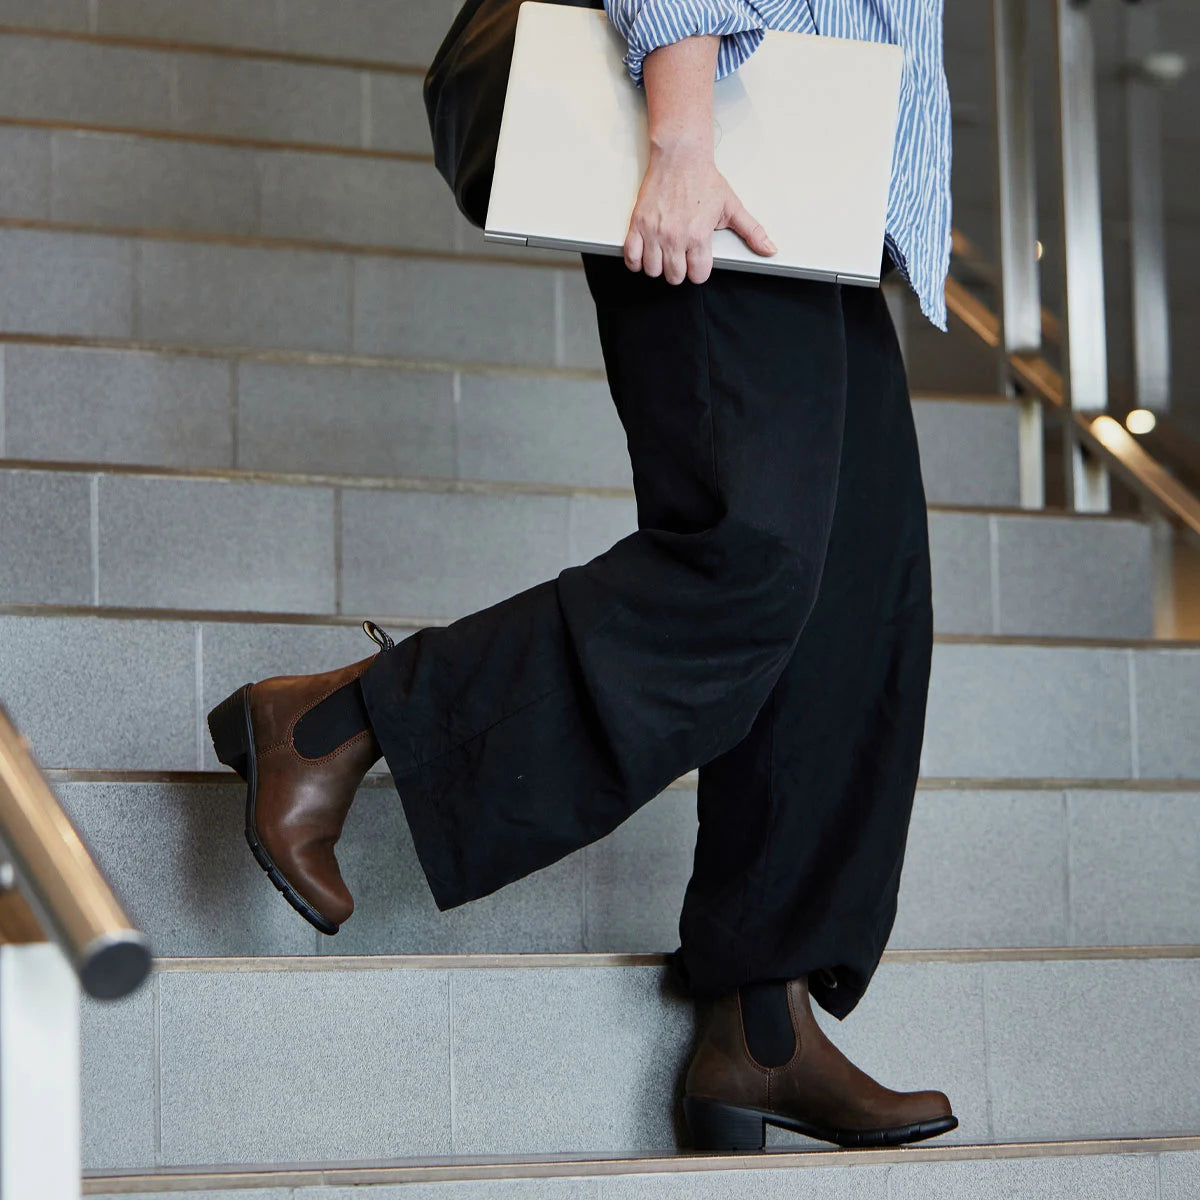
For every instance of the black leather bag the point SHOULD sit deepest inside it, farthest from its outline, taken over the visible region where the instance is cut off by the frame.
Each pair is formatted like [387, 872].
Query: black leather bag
[464, 97]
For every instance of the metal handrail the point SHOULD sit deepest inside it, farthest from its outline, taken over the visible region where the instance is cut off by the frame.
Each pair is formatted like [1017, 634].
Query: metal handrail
[70, 898]
[1103, 435]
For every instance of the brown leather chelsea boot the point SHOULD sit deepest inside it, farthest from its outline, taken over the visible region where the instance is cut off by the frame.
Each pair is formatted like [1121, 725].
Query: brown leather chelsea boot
[296, 806]
[730, 1098]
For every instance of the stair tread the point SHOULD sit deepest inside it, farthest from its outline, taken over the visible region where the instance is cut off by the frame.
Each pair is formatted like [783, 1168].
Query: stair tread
[468, 1167]
[590, 960]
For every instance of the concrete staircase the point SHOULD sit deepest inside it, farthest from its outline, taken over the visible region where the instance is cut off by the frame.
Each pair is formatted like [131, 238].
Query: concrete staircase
[258, 380]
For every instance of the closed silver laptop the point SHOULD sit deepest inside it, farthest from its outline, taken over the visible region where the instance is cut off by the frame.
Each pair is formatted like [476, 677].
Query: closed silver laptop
[805, 131]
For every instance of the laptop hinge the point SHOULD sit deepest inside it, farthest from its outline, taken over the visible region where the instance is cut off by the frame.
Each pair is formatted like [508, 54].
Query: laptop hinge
[861, 280]
[509, 239]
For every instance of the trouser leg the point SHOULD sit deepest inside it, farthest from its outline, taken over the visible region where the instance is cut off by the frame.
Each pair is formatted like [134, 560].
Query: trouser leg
[803, 824]
[526, 730]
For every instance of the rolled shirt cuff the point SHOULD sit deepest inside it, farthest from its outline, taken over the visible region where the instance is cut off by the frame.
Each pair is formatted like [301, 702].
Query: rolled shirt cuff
[654, 23]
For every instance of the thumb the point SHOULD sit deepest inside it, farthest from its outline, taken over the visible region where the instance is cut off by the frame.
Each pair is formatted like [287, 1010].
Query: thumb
[748, 228]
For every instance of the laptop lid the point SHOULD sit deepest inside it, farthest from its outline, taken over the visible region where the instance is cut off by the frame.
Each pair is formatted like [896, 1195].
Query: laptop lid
[805, 131]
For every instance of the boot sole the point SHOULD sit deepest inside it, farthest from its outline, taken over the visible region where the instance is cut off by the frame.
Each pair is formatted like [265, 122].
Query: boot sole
[233, 739]
[719, 1127]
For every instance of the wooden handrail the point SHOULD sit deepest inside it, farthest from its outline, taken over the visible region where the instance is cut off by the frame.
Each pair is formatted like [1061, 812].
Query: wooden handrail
[1102, 434]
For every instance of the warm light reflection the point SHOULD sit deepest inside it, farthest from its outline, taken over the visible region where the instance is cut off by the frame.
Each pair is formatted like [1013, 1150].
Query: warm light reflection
[1140, 420]
[1109, 433]
[1040, 251]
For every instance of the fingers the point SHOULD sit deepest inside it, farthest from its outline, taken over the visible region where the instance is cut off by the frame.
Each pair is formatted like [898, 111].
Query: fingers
[643, 253]
[674, 263]
[675, 256]
[633, 250]
[748, 228]
[700, 264]
[682, 254]
[652, 258]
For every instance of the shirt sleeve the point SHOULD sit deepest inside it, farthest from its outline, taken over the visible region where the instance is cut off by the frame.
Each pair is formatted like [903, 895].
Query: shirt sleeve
[647, 24]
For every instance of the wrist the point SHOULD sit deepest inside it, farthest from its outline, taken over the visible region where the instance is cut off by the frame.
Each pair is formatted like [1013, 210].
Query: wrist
[672, 144]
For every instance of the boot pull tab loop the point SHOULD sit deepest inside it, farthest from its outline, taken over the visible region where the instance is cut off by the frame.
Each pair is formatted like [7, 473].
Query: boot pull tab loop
[377, 635]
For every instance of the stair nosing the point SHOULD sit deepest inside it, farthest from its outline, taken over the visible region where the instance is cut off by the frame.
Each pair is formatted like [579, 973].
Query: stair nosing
[307, 479]
[210, 616]
[234, 141]
[443, 485]
[300, 357]
[580, 960]
[931, 783]
[242, 241]
[196, 1178]
[344, 620]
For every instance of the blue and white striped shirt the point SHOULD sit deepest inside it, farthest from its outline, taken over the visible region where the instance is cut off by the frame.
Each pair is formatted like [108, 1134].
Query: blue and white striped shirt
[918, 218]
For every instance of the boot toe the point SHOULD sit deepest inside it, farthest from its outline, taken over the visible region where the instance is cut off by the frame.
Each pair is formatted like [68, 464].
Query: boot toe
[319, 882]
[336, 909]
[312, 874]
[930, 1106]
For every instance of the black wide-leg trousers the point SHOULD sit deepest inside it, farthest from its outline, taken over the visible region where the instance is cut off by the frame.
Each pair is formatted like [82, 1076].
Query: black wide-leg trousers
[769, 623]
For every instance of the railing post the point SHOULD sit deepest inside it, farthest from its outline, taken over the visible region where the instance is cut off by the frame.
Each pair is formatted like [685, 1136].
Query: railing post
[1147, 239]
[1084, 344]
[1016, 209]
[39, 1074]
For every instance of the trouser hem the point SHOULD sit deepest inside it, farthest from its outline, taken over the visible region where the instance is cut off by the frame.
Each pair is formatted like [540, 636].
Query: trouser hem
[432, 841]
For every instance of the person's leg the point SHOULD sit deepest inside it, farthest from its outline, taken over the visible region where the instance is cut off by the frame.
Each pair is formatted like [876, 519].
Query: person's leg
[531, 728]
[526, 730]
[803, 824]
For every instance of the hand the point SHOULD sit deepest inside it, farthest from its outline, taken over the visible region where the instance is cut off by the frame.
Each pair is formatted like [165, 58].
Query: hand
[683, 198]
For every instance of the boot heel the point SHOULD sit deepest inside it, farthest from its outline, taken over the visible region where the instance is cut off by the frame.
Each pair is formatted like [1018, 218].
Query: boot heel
[721, 1127]
[229, 726]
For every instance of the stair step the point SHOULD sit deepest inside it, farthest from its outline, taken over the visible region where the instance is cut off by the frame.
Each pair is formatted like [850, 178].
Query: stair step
[356, 415]
[267, 1061]
[194, 292]
[210, 294]
[65, 177]
[379, 31]
[79, 80]
[1012, 863]
[229, 540]
[129, 693]
[1126, 1169]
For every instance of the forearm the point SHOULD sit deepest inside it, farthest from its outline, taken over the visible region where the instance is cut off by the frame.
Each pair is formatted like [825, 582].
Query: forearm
[679, 94]
[683, 197]
[647, 25]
